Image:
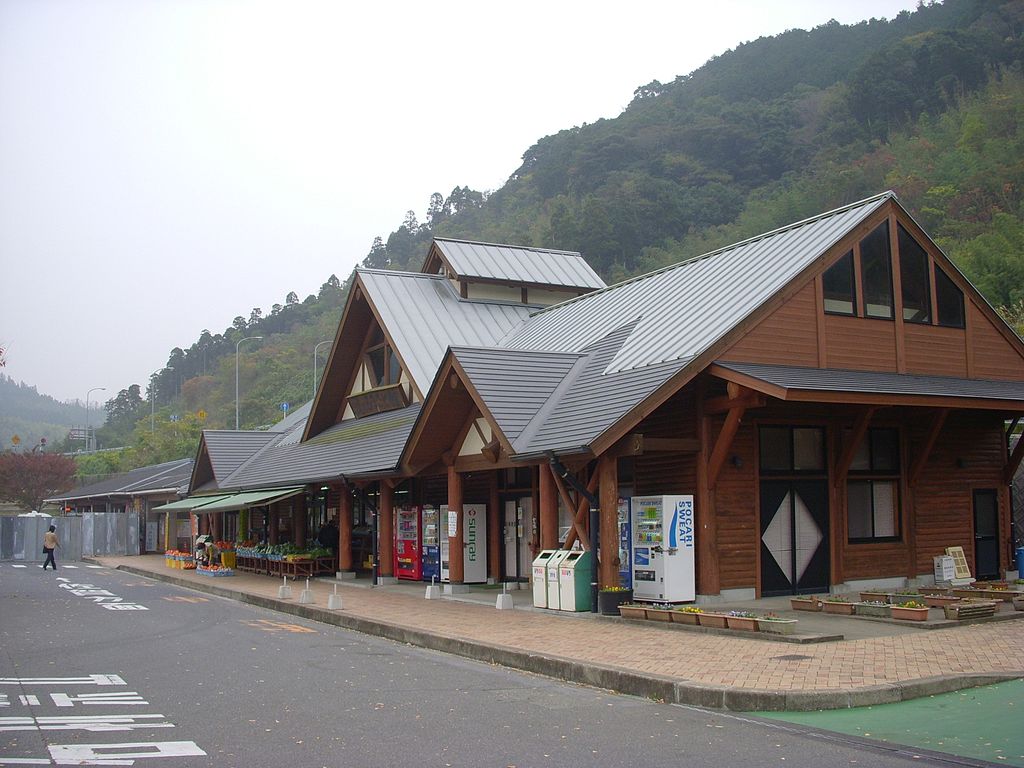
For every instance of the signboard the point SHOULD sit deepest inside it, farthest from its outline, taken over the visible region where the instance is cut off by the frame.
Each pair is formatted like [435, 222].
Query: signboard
[453, 523]
[960, 566]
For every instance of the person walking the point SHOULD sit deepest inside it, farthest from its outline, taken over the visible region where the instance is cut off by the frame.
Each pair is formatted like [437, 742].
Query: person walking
[50, 543]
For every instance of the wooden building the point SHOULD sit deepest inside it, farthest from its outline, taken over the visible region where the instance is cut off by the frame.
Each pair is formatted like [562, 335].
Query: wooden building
[835, 395]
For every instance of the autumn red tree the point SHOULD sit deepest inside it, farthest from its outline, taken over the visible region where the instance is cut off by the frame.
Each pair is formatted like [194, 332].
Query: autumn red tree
[28, 478]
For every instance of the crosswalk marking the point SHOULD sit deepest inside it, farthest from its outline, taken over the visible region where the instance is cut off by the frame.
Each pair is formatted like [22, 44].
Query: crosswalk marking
[94, 566]
[19, 566]
[275, 626]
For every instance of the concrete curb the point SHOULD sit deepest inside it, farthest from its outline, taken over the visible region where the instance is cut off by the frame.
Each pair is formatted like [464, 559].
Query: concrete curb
[654, 687]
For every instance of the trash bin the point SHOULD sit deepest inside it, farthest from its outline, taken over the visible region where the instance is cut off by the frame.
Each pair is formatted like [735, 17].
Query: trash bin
[540, 578]
[575, 572]
[1020, 562]
[554, 561]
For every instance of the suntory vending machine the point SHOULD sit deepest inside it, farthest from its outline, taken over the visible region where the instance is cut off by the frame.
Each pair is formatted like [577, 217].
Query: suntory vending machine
[430, 552]
[407, 543]
[663, 548]
[474, 542]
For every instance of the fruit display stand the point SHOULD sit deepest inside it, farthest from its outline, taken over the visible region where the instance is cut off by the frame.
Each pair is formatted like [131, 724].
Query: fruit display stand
[214, 570]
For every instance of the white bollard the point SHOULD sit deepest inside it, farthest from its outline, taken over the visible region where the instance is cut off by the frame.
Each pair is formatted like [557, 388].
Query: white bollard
[306, 596]
[334, 601]
[433, 591]
[284, 592]
[504, 602]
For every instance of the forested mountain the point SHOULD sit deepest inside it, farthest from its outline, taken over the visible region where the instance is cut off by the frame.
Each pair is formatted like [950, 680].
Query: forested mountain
[30, 416]
[930, 104]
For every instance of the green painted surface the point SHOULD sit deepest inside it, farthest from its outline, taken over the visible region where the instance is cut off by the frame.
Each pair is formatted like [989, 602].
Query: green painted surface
[983, 723]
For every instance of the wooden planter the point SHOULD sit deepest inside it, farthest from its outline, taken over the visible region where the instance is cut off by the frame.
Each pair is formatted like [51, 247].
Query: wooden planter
[880, 597]
[838, 607]
[939, 601]
[714, 620]
[1018, 603]
[685, 617]
[608, 602]
[970, 609]
[778, 626]
[742, 623]
[934, 590]
[632, 611]
[659, 614]
[873, 609]
[909, 614]
[805, 604]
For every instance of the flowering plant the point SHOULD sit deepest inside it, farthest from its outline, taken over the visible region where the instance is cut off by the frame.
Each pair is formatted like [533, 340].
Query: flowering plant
[615, 588]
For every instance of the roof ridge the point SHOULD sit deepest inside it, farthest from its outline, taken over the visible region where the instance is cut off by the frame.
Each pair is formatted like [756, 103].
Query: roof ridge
[723, 249]
[537, 248]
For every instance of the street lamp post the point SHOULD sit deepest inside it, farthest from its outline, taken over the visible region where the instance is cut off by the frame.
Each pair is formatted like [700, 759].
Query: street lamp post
[88, 437]
[315, 349]
[247, 338]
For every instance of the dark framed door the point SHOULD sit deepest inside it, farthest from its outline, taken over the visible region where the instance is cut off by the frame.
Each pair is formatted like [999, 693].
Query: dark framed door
[986, 534]
[794, 536]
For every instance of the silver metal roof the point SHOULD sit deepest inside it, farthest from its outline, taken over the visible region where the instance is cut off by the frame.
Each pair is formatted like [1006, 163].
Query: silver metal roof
[169, 476]
[518, 264]
[871, 382]
[424, 315]
[683, 309]
[228, 449]
[351, 448]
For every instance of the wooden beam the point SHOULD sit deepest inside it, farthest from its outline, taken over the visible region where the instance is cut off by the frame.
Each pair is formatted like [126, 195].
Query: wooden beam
[724, 403]
[608, 493]
[456, 551]
[724, 443]
[860, 428]
[1013, 462]
[637, 444]
[708, 578]
[492, 451]
[571, 505]
[579, 521]
[494, 529]
[386, 531]
[926, 449]
[547, 505]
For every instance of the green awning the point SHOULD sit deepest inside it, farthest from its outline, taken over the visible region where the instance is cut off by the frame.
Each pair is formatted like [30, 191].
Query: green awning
[190, 503]
[249, 499]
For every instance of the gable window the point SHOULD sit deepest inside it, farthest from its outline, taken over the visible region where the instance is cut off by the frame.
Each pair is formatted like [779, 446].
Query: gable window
[383, 365]
[949, 301]
[876, 272]
[914, 279]
[872, 488]
[840, 292]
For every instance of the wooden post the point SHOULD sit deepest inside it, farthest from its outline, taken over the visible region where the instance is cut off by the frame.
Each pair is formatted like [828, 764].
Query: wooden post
[272, 534]
[495, 532]
[708, 582]
[345, 529]
[456, 551]
[299, 520]
[386, 530]
[548, 509]
[608, 493]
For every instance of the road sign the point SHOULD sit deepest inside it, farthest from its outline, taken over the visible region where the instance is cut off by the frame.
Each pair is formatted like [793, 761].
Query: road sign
[201, 415]
[16, 440]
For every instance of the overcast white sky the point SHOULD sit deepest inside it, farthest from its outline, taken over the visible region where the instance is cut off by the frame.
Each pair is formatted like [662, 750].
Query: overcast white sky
[166, 165]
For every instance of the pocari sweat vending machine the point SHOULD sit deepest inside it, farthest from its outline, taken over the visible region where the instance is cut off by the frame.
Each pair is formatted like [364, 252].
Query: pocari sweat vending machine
[663, 548]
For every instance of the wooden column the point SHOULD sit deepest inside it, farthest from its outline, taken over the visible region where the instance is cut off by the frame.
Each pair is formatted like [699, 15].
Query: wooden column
[386, 530]
[708, 582]
[456, 552]
[345, 529]
[495, 531]
[548, 509]
[608, 493]
[272, 524]
[299, 520]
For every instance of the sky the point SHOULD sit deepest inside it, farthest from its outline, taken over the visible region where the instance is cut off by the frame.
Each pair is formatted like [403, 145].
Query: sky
[167, 165]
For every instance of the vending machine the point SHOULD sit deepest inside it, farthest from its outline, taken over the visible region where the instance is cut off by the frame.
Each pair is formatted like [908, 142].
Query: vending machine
[663, 548]
[474, 543]
[408, 564]
[430, 543]
[625, 546]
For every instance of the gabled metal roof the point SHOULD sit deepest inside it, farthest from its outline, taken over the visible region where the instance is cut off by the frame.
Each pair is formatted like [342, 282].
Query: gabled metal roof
[424, 315]
[168, 477]
[229, 449]
[514, 384]
[683, 309]
[518, 264]
[353, 447]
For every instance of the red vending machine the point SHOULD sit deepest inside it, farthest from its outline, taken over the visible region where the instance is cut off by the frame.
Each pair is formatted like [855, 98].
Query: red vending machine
[408, 562]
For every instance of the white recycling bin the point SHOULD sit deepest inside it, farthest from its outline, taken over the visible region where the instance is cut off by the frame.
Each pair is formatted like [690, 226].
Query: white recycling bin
[554, 598]
[540, 577]
[575, 572]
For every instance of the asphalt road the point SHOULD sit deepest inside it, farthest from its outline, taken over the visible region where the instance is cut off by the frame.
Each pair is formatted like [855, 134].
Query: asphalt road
[92, 660]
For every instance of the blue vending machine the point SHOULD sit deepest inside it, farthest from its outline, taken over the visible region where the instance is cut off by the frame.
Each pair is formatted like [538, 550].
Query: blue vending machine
[430, 543]
[625, 546]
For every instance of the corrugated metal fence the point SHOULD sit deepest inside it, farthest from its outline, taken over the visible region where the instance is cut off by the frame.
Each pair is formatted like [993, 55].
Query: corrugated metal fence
[93, 533]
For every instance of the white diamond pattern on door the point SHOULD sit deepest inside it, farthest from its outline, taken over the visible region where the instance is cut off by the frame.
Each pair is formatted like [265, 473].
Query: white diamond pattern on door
[778, 536]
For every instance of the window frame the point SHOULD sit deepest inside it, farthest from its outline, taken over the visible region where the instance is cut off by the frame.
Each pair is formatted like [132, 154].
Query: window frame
[872, 476]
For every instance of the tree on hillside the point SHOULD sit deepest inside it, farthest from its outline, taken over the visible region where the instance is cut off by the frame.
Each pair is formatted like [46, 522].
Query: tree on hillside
[28, 478]
[122, 413]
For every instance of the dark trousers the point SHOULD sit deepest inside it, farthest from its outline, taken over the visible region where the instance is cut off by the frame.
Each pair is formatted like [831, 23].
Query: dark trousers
[49, 559]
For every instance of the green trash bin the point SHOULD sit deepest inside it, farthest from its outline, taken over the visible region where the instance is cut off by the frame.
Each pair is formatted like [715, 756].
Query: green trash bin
[575, 573]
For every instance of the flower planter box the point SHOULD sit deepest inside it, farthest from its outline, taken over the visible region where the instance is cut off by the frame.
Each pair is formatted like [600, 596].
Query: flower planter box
[805, 603]
[838, 607]
[876, 597]
[608, 602]
[659, 614]
[714, 620]
[1018, 603]
[909, 614]
[968, 592]
[685, 617]
[778, 626]
[970, 609]
[940, 601]
[878, 610]
[742, 623]
[934, 590]
[632, 611]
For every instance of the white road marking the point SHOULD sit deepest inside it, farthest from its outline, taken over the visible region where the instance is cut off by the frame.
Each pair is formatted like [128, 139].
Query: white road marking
[87, 680]
[100, 566]
[19, 566]
[107, 697]
[31, 700]
[109, 754]
[97, 723]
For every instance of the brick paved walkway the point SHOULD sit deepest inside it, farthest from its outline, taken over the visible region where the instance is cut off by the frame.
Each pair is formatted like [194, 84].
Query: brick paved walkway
[687, 657]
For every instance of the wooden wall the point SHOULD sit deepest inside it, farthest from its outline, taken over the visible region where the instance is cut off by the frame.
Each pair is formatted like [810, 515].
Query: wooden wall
[788, 336]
